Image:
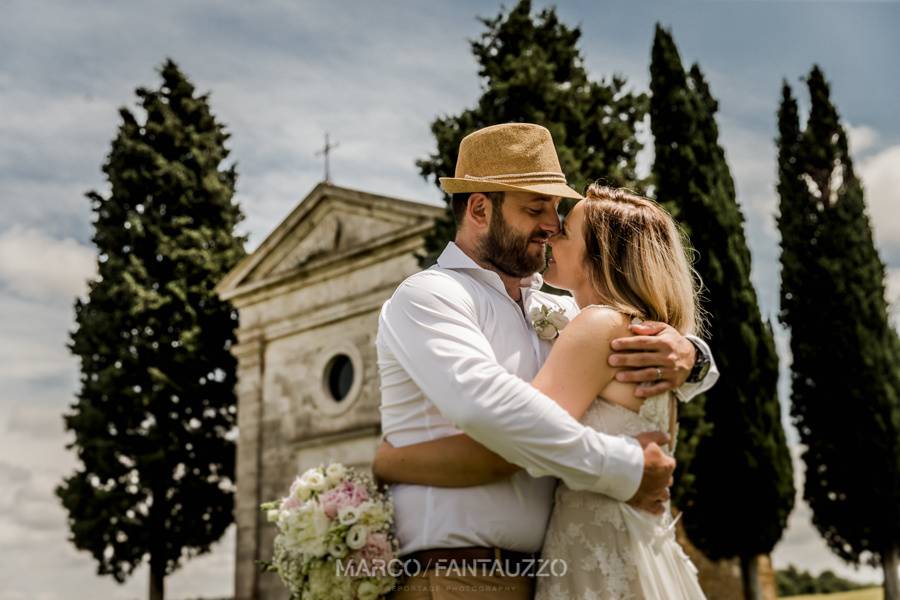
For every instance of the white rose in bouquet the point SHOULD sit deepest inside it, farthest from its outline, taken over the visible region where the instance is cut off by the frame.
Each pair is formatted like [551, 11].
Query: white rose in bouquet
[374, 514]
[357, 536]
[305, 530]
[348, 515]
[300, 492]
[335, 473]
[314, 480]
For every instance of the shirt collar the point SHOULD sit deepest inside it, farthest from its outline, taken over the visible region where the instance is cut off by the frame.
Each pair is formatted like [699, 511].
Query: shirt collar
[454, 258]
[535, 282]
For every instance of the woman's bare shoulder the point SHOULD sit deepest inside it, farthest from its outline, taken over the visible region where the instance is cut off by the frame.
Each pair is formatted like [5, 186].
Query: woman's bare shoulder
[595, 322]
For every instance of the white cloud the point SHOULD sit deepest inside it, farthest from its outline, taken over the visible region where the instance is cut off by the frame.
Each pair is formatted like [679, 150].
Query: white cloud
[51, 150]
[31, 359]
[892, 291]
[28, 200]
[880, 174]
[33, 338]
[42, 267]
[316, 71]
[751, 157]
[861, 138]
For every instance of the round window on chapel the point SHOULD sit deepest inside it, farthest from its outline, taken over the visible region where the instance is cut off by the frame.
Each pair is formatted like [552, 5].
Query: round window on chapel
[339, 376]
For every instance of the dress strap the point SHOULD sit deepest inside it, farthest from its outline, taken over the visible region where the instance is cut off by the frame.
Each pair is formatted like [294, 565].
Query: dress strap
[601, 306]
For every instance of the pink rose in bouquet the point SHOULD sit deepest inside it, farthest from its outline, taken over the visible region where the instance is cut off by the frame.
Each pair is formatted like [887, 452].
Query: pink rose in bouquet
[348, 493]
[377, 552]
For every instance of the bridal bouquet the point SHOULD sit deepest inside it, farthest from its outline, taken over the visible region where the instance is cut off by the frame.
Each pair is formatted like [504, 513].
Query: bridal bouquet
[334, 538]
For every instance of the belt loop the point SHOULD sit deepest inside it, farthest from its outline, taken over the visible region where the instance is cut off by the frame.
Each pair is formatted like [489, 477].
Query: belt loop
[497, 555]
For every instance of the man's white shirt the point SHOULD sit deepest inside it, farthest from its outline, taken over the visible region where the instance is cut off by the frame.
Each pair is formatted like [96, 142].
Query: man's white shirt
[455, 355]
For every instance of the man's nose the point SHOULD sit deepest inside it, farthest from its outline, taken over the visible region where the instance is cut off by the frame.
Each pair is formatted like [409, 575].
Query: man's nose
[551, 224]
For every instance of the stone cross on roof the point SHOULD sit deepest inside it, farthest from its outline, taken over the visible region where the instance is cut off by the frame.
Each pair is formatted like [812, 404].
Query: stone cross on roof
[326, 152]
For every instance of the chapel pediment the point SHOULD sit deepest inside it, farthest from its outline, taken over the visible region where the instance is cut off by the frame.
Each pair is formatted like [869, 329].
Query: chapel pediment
[331, 224]
[333, 231]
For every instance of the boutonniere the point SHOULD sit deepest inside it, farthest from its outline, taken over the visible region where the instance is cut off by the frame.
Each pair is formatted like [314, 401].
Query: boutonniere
[548, 322]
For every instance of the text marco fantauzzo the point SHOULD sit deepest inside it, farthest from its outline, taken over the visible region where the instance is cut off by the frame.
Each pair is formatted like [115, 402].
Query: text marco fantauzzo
[535, 567]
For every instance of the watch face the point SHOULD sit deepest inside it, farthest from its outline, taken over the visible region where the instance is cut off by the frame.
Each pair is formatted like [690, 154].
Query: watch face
[703, 370]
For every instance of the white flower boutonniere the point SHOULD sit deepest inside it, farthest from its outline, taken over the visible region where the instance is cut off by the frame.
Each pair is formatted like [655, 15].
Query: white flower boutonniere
[548, 322]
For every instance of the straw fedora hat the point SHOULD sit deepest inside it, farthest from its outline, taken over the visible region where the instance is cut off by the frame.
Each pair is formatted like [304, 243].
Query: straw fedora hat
[513, 157]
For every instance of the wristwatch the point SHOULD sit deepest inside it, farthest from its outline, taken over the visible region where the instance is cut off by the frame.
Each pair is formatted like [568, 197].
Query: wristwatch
[701, 365]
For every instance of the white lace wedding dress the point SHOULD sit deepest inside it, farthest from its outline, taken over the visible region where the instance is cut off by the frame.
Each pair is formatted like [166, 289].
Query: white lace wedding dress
[613, 551]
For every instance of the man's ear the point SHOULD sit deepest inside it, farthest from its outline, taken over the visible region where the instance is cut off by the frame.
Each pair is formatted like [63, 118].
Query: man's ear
[478, 210]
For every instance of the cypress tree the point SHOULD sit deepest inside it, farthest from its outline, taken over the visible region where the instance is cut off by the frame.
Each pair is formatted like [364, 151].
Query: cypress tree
[845, 380]
[532, 71]
[156, 408]
[742, 488]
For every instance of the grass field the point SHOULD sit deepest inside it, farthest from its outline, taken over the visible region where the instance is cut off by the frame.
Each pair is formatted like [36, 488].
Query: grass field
[875, 593]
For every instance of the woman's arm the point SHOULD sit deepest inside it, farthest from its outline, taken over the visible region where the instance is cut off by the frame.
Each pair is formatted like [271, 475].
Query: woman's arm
[577, 369]
[574, 374]
[454, 461]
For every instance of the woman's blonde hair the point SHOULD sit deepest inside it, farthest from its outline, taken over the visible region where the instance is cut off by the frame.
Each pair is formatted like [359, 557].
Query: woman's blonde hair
[636, 258]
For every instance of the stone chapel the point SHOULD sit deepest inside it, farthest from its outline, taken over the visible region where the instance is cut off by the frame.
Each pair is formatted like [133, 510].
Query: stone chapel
[308, 390]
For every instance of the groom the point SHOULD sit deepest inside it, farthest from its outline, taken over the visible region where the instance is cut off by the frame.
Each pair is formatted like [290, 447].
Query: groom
[455, 353]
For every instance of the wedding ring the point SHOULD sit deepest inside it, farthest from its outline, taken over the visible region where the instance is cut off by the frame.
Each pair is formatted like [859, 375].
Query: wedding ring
[658, 373]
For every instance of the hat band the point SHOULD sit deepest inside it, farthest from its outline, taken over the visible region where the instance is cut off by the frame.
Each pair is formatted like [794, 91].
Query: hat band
[514, 178]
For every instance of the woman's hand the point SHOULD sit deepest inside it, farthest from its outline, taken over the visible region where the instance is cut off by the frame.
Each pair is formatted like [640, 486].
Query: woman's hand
[658, 357]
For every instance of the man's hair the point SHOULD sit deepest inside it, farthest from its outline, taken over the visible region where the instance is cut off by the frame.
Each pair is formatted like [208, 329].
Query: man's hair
[459, 201]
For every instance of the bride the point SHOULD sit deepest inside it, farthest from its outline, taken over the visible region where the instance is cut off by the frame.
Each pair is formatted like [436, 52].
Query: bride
[622, 258]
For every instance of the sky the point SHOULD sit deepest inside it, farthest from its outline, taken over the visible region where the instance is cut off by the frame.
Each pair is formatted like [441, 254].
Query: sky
[373, 75]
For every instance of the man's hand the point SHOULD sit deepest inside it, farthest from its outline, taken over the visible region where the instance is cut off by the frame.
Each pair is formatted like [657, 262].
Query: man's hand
[653, 492]
[659, 358]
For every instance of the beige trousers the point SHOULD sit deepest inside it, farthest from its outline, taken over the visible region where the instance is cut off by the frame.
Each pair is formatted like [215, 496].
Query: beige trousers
[444, 586]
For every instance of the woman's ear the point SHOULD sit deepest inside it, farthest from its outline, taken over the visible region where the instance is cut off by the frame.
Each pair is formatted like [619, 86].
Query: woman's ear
[479, 209]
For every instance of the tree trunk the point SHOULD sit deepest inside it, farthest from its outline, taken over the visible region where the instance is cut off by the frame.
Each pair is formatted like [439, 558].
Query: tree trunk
[890, 562]
[157, 579]
[750, 578]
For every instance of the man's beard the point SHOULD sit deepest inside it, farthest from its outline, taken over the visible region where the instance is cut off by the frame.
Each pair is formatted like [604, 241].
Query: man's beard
[507, 250]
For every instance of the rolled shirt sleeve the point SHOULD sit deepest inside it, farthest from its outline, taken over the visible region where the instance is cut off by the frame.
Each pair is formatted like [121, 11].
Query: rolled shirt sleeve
[431, 328]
